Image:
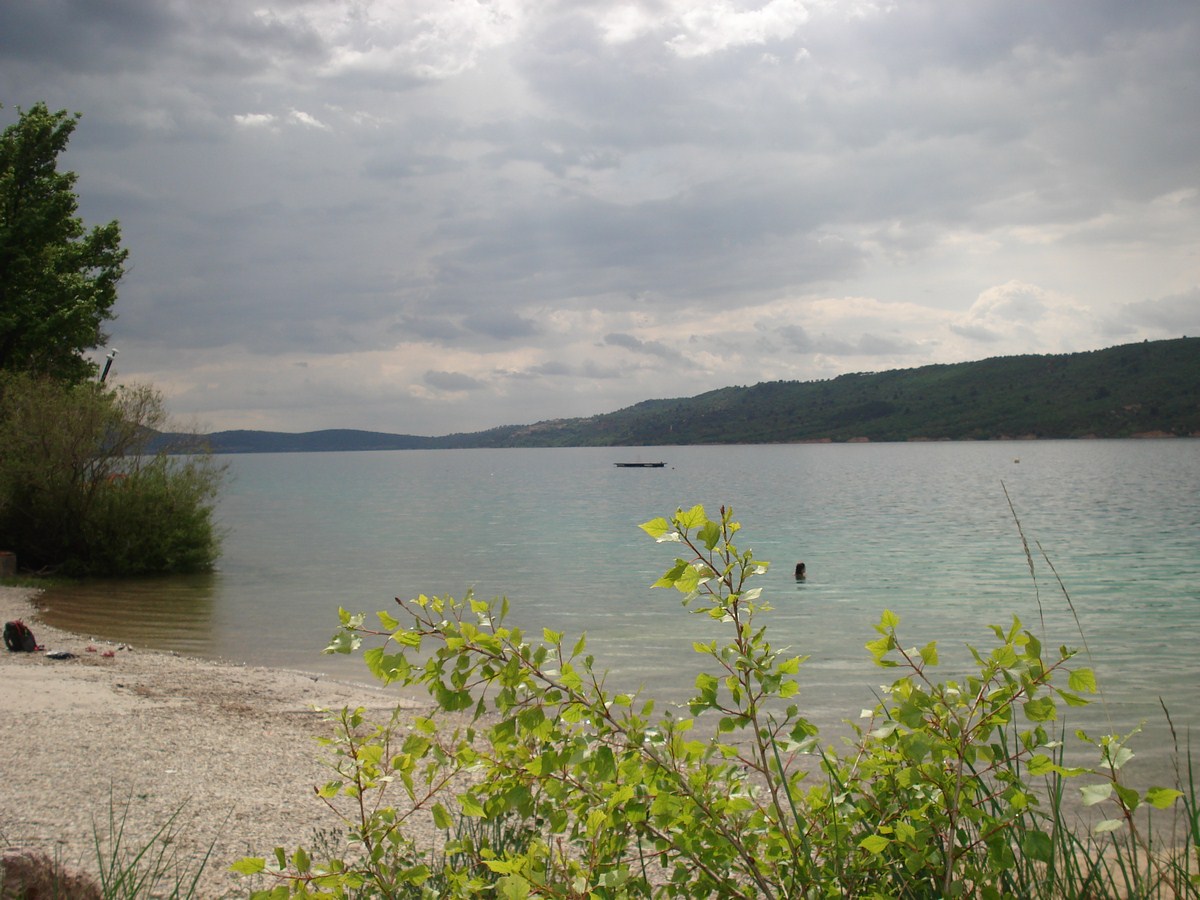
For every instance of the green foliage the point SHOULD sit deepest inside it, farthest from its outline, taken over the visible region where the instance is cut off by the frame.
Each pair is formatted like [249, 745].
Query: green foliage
[953, 787]
[77, 493]
[58, 280]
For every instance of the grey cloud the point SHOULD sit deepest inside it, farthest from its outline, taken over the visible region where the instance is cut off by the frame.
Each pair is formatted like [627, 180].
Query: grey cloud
[426, 328]
[81, 35]
[465, 187]
[452, 381]
[500, 324]
[796, 338]
[595, 371]
[553, 369]
[884, 345]
[1175, 315]
[557, 369]
[976, 333]
[647, 348]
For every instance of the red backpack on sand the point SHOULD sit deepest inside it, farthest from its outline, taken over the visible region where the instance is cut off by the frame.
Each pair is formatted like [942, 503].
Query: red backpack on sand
[18, 638]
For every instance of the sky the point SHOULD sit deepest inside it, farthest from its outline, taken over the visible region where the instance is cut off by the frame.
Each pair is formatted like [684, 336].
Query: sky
[428, 217]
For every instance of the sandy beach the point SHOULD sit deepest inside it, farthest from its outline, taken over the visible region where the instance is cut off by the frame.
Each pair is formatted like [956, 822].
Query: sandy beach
[233, 746]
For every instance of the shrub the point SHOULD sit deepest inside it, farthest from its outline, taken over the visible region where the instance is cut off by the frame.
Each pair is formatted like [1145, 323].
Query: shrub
[30, 874]
[953, 788]
[78, 493]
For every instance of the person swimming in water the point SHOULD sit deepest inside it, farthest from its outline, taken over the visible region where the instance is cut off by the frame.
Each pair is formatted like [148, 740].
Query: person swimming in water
[801, 572]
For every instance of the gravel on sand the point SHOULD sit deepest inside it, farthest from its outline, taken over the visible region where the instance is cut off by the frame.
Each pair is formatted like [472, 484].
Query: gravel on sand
[144, 734]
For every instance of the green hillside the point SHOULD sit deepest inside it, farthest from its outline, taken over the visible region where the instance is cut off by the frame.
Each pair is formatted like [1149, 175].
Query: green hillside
[1151, 388]
[1135, 389]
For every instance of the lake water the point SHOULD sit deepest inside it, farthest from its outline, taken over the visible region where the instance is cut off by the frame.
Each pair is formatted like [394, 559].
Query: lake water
[921, 529]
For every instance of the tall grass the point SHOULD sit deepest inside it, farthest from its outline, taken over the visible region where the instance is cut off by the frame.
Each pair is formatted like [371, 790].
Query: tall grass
[149, 868]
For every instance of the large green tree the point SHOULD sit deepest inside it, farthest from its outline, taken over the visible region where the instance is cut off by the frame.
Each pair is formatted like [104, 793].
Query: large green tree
[58, 279]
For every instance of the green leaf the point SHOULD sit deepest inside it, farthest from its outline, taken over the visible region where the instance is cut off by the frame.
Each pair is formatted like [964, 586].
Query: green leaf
[1117, 756]
[880, 647]
[301, 860]
[343, 642]
[875, 844]
[372, 658]
[1040, 764]
[1033, 647]
[710, 534]
[407, 639]
[470, 805]
[692, 577]
[1040, 709]
[512, 887]
[929, 654]
[330, 789]
[656, 528]
[1038, 846]
[672, 575]
[693, 518]
[1096, 793]
[1129, 798]
[442, 818]
[1107, 825]
[1072, 699]
[1161, 798]
[502, 866]
[249, 865]
[1083, 680]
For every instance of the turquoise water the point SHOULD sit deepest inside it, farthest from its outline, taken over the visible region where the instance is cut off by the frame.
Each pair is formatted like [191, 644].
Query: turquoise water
[922, 529]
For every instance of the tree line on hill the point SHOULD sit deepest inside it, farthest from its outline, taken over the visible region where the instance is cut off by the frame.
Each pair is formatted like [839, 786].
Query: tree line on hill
[1144, 389]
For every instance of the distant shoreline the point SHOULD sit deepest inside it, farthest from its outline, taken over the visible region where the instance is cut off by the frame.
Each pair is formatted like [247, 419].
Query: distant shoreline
[314, 442]
[1132, 391]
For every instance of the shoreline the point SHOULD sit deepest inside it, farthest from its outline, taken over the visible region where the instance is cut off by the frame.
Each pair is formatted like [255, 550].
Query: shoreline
[145, 734]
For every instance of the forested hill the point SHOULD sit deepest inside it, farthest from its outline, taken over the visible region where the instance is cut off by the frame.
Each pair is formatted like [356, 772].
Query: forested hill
[1145, 389]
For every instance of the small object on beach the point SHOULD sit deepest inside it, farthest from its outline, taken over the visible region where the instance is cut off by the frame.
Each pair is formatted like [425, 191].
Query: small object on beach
[108, 654]
[801, 571]
[18, 638]
[90, 649]
[59, 654]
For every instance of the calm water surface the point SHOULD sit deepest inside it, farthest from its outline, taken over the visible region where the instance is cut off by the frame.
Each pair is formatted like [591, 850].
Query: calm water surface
[921, 529]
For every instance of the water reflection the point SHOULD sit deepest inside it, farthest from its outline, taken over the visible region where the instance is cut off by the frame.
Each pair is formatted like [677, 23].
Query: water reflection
[169, 613]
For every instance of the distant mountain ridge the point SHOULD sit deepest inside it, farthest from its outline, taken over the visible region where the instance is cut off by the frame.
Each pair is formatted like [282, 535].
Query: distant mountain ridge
[329, 440]
[1145, 389]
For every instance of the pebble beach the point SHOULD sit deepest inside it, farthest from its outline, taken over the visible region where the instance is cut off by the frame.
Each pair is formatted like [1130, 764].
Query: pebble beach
[109, 729]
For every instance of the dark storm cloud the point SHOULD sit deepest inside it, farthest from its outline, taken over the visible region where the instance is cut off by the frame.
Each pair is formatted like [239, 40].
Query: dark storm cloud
[83, 35]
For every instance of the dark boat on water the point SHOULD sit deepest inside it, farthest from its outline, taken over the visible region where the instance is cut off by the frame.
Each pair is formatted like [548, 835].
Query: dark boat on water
[640, 465]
